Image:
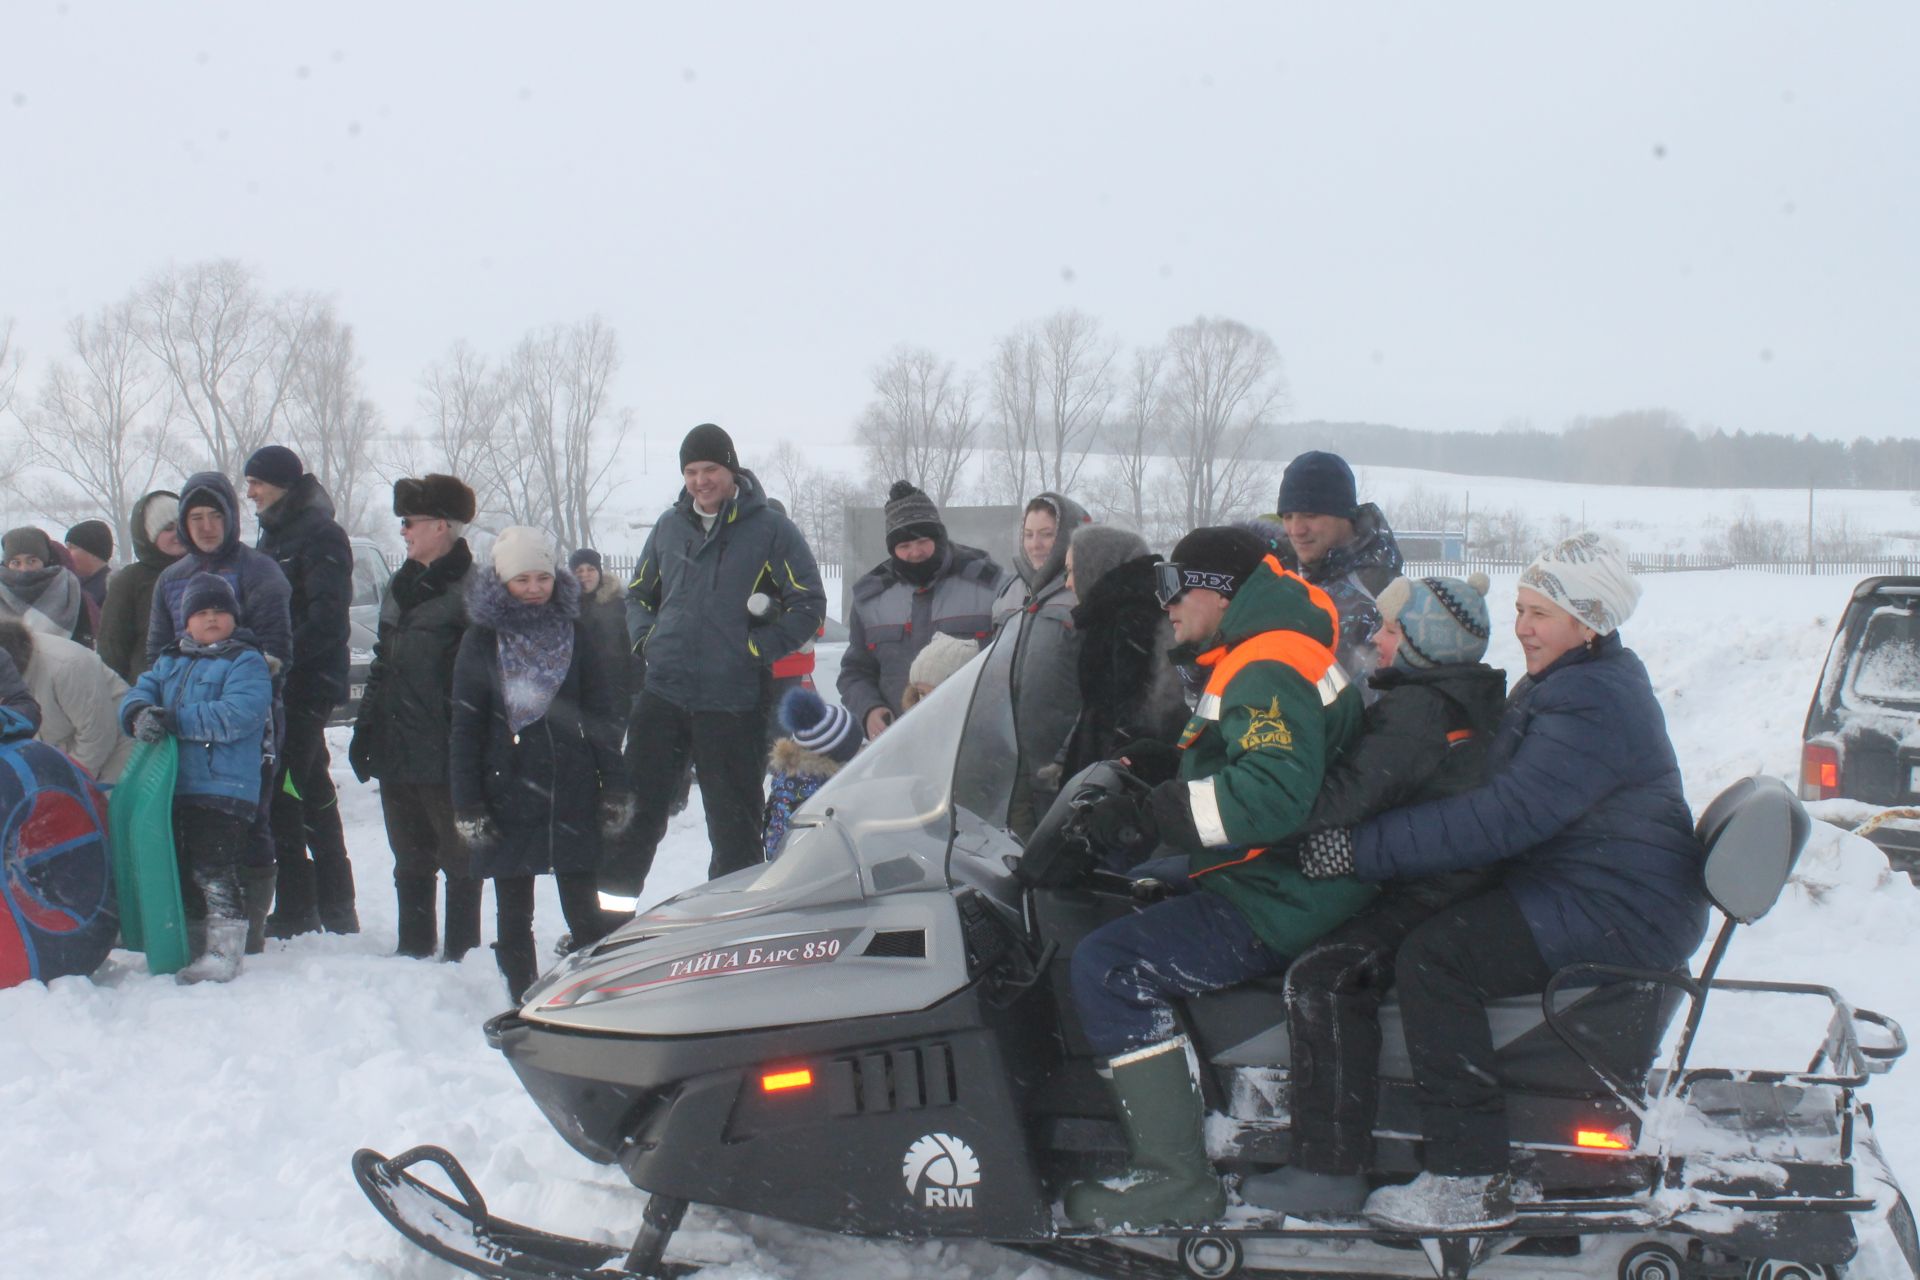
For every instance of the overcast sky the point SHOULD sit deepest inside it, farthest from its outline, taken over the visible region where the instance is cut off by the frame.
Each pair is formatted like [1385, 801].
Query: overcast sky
[1447, 216]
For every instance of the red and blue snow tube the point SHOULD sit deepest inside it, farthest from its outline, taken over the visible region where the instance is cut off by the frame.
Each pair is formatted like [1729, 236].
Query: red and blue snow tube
[57, 915]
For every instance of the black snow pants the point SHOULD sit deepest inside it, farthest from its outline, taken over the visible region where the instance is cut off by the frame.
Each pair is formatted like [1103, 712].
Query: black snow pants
[1447, 971]
[514, 951]
[729, 753]
[306, 816]
[1334, 992]
[209, 845]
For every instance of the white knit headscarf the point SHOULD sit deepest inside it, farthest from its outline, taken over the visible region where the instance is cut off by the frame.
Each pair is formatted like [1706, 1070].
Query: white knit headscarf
[1588, 576]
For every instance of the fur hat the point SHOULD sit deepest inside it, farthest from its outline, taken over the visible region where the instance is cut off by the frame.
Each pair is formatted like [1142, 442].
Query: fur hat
[815, 725]
[943, 656]
[1443, 620]
[1097, 550]
[92, 536]
[208, 591]
[276, 464]
[437, 497]
[910, 514]
[522, 549]
[1219, 557]
[1319, 483]
[585, 555]
[1588, 576]
[27, 541]
[708, 443]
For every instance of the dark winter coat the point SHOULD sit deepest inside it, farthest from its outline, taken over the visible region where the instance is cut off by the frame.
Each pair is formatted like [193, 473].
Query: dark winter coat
[603, 616]
[1584, 808]
[795, 774]
[687, 603]
[406, 713]
[542, 785]
[219, 701]
[1255, 752]
[1353, 575]
[256, 580]
[893, 619]
[14, 696]
[312, 550]
[1046, 690]
[1129, 688]
[124, 617]
[94, 587]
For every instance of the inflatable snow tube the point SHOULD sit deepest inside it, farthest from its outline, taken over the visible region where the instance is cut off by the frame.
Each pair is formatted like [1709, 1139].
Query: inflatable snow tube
[57, 915]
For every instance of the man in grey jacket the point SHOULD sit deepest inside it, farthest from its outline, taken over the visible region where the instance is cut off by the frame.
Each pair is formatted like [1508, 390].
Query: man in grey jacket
[708, 657]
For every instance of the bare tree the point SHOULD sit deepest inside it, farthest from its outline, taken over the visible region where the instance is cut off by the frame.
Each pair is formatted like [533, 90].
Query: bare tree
[1014, 375]
[1223, 386]
[1138, 435]
[232, 354]
[1076, 387]
[9, 366]
[328, 420]
[562, 437]
[100, 423]
[462, 402]
[922, 426]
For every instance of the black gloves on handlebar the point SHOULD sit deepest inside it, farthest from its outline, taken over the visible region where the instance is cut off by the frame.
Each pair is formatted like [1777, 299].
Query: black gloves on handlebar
[1134, 826]
[1150, 761]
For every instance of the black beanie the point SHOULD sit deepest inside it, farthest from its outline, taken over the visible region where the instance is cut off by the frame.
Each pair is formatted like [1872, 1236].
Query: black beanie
[911, 514]
[708, 443]
[92, 536]
[28, 541]
[208, 591]
[1319, 484]
[585, 555]
[1219, 557]
[276, 464]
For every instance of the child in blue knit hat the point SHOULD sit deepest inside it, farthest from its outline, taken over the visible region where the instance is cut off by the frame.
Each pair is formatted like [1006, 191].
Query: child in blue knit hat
[821, 737]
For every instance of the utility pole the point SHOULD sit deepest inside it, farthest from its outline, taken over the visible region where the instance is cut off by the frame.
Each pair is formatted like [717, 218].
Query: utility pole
[1810, 567]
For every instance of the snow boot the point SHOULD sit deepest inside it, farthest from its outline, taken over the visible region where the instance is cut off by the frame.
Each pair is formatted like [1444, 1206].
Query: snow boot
[1304, 1193]
[226, 939]
[463, 916]
[418, 932]
[1445, 1202]
[293, 910]
[257, 886]
[333, 891]
[1169, 1179]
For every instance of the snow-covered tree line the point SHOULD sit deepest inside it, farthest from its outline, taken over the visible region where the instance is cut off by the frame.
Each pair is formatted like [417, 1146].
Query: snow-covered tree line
[200, 365]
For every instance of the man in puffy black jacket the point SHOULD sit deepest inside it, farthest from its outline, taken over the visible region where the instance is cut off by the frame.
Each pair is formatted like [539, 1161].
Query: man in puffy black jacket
[708, 658]
[298, 530]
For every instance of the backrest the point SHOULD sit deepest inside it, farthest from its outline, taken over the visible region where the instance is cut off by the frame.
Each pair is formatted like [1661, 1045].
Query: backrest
[1753, 832]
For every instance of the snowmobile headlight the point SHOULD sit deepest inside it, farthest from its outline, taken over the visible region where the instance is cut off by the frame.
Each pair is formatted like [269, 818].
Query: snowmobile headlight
[1601, 1140]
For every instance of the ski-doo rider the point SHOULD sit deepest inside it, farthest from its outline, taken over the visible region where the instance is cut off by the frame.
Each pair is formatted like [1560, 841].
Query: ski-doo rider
[1343, 546]
[1046, 694]
[1427, 735]
[1586, 815]
[406, 715]
[1249, 763]
[927, 586]
[708, 660]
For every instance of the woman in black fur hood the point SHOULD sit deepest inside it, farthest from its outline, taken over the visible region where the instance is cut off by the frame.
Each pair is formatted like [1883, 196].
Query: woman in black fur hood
[1129, 687]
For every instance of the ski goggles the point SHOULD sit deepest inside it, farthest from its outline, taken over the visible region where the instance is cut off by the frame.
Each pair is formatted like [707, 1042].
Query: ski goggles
[1171, 581]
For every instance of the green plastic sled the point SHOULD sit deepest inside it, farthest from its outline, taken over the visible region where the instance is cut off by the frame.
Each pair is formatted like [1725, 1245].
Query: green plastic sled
[146, 872]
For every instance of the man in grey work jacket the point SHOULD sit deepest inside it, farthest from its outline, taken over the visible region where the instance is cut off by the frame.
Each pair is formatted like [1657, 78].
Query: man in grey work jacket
[707, 655]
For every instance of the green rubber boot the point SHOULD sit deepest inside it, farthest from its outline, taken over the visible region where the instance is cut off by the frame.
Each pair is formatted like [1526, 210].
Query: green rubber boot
[1170, 1179]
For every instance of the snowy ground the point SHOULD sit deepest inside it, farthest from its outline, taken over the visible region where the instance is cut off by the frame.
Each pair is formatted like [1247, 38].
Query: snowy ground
[158, 1131]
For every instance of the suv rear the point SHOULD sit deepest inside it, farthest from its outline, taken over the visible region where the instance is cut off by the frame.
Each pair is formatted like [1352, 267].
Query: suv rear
[370, 575]
[1862, 737]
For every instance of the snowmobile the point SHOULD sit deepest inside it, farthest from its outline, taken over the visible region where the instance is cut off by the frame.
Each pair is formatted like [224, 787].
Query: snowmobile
[873, 1035]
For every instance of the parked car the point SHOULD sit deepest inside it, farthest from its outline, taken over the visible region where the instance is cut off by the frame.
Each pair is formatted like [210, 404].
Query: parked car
[370, 575]
[1862, 737]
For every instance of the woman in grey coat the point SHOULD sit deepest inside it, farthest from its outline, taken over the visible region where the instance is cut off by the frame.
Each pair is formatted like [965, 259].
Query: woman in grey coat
[1046, 693]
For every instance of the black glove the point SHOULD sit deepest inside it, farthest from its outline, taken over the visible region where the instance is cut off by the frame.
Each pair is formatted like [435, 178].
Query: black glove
[616, 812]
[360, 754]
[1150, 761]
[151, 724]
[478, 831]
[1121, 824]
[1172, 816]
[1327, 854]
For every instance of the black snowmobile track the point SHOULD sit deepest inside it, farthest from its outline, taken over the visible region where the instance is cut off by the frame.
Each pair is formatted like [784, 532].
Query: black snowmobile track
[463, 1233]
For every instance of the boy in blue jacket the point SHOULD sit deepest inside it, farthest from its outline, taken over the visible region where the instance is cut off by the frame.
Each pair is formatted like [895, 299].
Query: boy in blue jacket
[211, 689]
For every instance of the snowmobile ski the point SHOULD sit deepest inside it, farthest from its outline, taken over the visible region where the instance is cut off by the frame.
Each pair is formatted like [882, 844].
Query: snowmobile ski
[463, 1233]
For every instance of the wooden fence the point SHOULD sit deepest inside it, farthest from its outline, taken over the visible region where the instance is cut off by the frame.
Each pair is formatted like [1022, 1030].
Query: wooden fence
[1901, 565]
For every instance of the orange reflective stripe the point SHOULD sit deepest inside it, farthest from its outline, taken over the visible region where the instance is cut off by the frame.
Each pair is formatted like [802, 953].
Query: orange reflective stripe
[1458, 736]
[1320, 598]
[1306, 656]
[1248, 856]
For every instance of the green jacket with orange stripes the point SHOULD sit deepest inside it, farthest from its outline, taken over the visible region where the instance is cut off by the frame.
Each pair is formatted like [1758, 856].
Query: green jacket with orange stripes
[687, 603]
[1277, 711]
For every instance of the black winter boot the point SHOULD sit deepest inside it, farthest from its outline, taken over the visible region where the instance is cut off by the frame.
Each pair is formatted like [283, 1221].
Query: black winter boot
[1169, 1179]
[463, 916]
[293, 909]
[257, 882]
[418, 932]
[332, 872]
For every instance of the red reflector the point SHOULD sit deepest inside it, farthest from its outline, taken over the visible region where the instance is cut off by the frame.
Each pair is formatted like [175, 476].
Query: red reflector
[775, 1081]
[1819, 772]
[1597, 1138]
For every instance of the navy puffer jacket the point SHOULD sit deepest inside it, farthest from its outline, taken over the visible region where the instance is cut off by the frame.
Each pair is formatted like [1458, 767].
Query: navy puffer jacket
[1585, 806]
